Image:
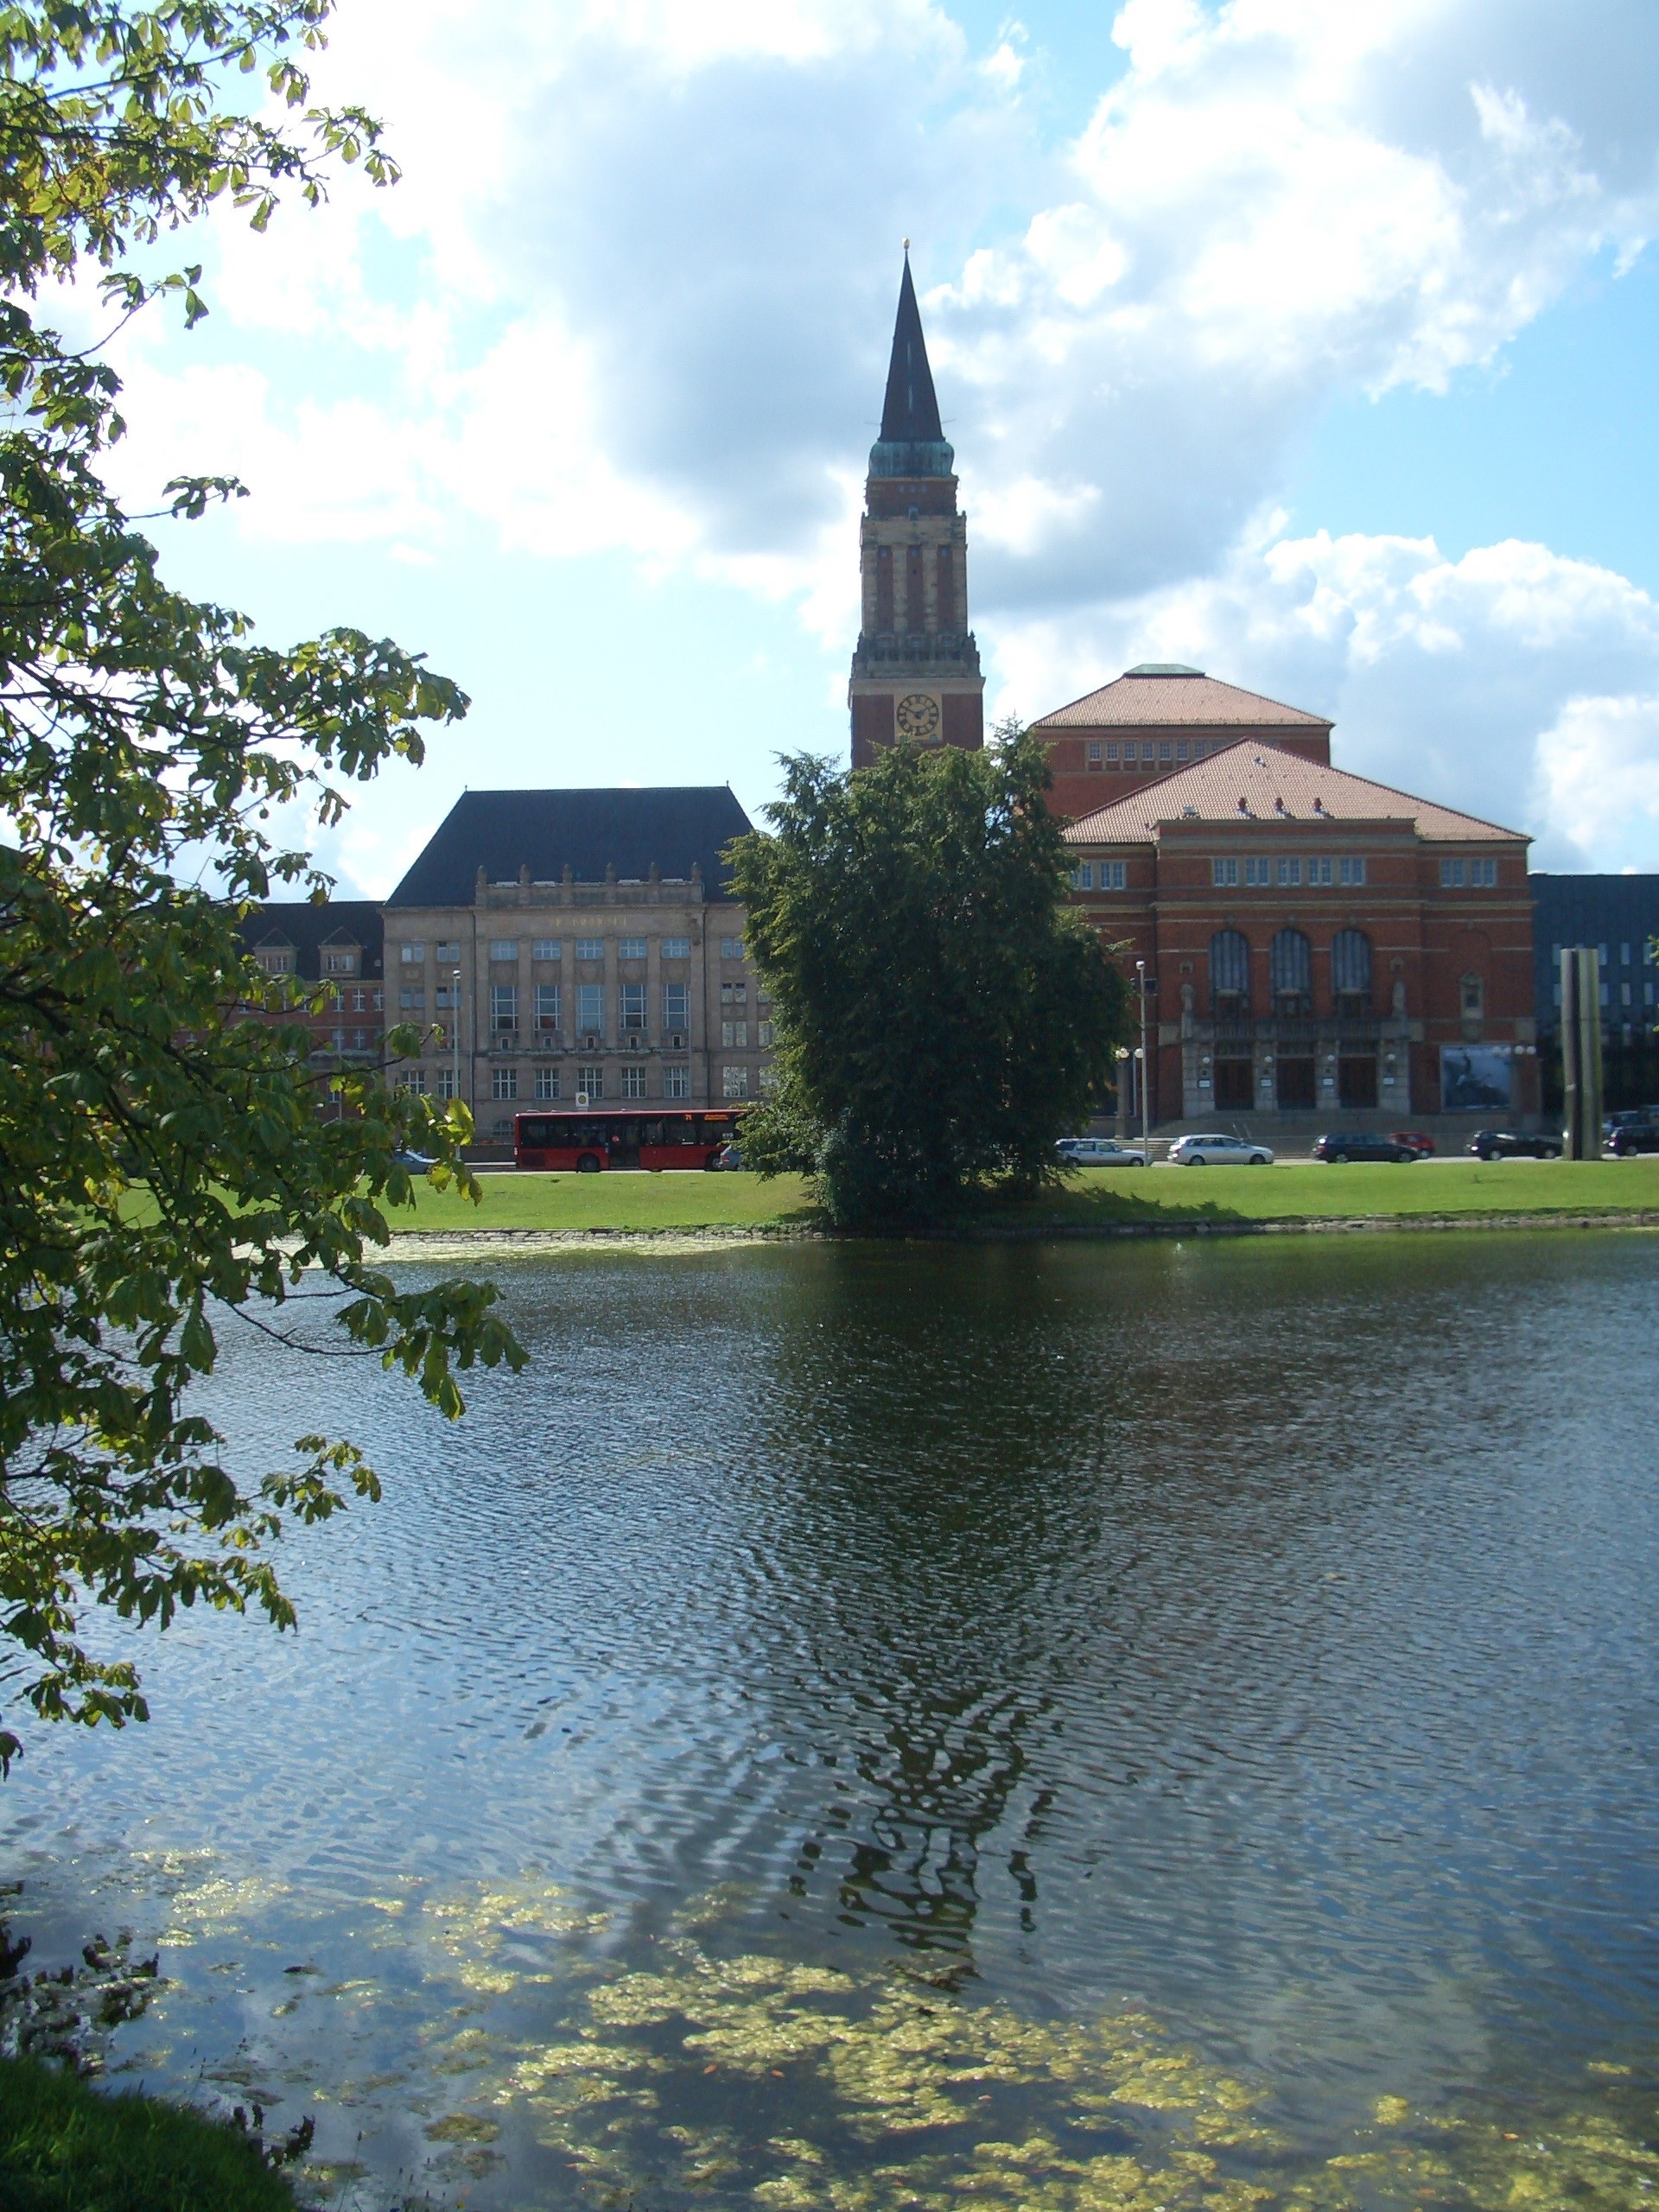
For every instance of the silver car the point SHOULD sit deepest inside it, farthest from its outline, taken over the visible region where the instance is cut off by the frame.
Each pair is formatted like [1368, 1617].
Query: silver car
[1100, 1152]
[1219, 1152]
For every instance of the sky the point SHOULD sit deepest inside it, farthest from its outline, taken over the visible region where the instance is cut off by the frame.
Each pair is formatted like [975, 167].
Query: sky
[1306, 342]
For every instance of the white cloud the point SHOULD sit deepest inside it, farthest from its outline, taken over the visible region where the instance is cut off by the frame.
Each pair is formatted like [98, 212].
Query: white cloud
[1512, 682]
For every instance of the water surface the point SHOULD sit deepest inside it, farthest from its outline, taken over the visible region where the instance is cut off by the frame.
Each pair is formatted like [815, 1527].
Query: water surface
[1243, 1656]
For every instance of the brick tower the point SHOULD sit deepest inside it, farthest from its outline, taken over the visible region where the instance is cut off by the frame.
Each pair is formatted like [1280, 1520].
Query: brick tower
[916, 671]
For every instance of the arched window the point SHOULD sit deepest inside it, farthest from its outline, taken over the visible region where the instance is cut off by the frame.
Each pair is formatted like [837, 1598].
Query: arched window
[1230, 974]
[1291, 959]
[1350, 972]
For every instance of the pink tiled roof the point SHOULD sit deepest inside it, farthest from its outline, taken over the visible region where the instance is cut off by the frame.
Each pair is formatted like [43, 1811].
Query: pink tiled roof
[1187, 702]
[1275, 786]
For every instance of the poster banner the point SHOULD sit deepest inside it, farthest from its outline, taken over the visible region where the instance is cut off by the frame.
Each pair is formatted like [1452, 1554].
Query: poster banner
[1474, 1079]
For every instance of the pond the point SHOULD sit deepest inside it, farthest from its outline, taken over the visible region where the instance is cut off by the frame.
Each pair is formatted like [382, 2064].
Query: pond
[1085, 1726]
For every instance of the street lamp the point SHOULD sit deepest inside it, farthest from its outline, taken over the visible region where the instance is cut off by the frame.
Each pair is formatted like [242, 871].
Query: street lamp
[455, 1023]
[1145, 1103]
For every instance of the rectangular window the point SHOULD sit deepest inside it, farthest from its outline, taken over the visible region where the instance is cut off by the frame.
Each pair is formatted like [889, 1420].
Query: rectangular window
[676, 1006]
[1180, 750]
[1146, 751]
[1223, 873]
[545, 948]
[447, 951]
[630, 948]
[1258, 871]
[504, 948]
[360, 1040]
[735, 1035]
[677, 948]
[412, 1001]
[1094, 754]
[413, 1079]
[379, 1003]
[1111, 752]
[1166, 751]
[1353, 870]
[591, 1081]
[768, 1081]
[1083, 877]
[445, 997]
[339, 963]
[548, 1004]
[763, 1036]
[411, 955]
[1625, 994]
[731, 948]
[1319, 871]
[633, 1082]
[676, 1082]
[1624, 955]
[1555, 994]
[359, 1001]
[504, 1006]
[1113, 875]
[547, 1083]
[590, 1008]
[504, 1083]
[733, 994]
[447, 1086]
[1451, 875]
[733, 1083]
[633, 1006]
[1290, 871]
[590, 948]
[1484, 873]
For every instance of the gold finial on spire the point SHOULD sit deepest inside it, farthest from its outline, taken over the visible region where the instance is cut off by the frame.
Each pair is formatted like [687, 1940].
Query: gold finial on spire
[907, 246]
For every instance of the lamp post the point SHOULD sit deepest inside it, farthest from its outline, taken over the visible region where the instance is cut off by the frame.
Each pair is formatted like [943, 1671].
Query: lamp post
[1146, 1066]
[455, 1024]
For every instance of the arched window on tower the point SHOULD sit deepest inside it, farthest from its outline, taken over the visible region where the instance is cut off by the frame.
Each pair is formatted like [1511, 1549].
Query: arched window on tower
[915, 590]
[883, 589]
[946, 593]
[1230, 975]
[1291, 960]
[1351, 974]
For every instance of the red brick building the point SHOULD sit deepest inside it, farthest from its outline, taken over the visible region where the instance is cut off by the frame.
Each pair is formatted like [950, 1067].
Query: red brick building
[1155, 719]
[916, 670]
[326, 970]
[1320, 946]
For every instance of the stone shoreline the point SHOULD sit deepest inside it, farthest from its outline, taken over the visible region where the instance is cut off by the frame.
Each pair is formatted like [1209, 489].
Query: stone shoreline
[416, 1246]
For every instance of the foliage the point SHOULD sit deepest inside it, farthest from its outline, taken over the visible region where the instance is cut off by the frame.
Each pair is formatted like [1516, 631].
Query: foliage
[943, 1014]
[65, 2148]
[146, 745]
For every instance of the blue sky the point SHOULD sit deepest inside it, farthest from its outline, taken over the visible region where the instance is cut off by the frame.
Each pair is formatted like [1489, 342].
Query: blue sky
[1308, 343]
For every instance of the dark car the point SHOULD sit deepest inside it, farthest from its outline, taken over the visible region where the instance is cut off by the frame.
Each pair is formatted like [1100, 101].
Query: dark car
[1419, 1140]
[1634, 1137]
[1363, 1144]
[1504, 1144]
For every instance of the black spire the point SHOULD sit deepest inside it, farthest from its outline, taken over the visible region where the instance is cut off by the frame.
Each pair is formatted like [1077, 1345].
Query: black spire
[910, 413]
[912, 441]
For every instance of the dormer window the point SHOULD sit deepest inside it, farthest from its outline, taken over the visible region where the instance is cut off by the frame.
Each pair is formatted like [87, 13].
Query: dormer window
[276, 959]
[338, 961]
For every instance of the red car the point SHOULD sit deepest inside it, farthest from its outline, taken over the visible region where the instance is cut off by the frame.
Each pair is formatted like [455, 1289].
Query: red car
[1416, 1140]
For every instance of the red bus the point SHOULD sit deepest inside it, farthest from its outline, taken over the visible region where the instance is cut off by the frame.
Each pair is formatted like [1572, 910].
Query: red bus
[668, 1137]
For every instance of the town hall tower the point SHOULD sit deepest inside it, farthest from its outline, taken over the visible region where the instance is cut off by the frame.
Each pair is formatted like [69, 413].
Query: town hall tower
[916, 671]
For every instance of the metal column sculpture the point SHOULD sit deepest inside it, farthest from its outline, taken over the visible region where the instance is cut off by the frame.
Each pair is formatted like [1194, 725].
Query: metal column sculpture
[1582, 1050]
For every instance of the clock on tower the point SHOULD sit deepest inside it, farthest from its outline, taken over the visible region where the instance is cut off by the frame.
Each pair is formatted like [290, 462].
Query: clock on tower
[916, 671]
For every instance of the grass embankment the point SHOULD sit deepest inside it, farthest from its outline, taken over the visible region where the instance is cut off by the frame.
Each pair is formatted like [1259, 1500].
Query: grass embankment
[66, 2148]
[1292, 1191]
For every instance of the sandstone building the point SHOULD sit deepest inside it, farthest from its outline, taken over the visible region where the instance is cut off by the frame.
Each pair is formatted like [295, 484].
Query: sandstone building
[571, 946]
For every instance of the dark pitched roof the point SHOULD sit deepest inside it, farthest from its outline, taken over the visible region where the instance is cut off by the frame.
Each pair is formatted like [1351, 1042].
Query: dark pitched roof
[910, 413]
[308, 928]
[672, 828]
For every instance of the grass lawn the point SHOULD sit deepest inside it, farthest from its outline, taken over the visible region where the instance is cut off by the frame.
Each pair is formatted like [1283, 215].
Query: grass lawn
[1292, 1191]
[66, 2148]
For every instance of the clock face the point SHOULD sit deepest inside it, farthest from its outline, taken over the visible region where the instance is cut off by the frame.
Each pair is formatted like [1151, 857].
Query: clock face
[917, 716]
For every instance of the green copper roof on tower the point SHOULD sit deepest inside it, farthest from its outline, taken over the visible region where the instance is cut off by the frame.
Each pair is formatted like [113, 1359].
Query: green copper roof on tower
[912, 441]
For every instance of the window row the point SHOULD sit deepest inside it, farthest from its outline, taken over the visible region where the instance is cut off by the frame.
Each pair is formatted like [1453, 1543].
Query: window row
[1108, 875]
[1290, 973]
[1288, 870]
[548, 1002]
[588, 1082]
[1129, 753]
[1482, 875]
[1644, 953]
[447, 954]
[1626, 993]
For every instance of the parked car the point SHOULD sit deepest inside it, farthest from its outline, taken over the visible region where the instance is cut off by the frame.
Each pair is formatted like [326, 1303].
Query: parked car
[416, 1162]
[1219, 1152]
[1421, 1142]
[1504, 1144]
[1363, 1144]
[1634, 1137]
[1100, 1152]
[729, 1156]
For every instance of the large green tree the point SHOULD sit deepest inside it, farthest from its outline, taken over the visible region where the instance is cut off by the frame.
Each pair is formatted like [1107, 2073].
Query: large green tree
[943, 1013]
[165, 1172]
